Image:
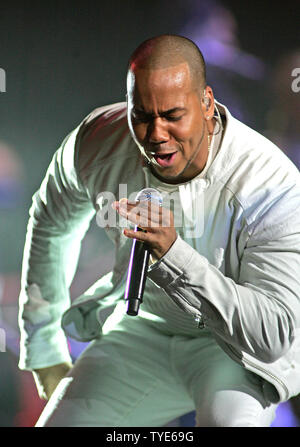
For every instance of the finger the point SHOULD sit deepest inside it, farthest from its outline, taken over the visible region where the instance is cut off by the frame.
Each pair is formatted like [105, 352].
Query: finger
[142, 205]
[144, 214]
[136, 215]
[150, 214]
[132, 215]
[142, 236]
[156, 213]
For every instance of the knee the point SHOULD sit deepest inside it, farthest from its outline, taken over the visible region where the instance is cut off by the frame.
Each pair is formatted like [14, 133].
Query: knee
[233, 409]
[213, 415]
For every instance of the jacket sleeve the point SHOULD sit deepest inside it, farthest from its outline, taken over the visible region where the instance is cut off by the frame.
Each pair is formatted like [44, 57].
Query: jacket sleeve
[259, 312]
[59, 218]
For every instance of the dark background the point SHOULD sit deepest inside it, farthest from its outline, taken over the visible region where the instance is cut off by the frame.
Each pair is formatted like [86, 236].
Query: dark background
[64, 58]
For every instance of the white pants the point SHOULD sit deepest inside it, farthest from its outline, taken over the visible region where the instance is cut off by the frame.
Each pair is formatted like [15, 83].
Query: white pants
[138, 376]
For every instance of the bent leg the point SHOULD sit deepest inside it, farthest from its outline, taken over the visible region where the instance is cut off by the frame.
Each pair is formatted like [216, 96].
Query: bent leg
[234, 408]
[121, 380]
[225, 393]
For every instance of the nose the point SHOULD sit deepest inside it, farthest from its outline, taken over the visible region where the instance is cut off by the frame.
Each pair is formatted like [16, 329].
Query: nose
[158, 131]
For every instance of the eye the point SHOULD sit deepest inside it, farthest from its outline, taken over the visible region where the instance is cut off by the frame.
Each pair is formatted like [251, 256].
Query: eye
[173, 118]
[174, 115]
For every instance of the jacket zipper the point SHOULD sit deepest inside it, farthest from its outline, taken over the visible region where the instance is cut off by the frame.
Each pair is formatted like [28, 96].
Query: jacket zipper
[275, 378]
[200, 322]
[201, 325]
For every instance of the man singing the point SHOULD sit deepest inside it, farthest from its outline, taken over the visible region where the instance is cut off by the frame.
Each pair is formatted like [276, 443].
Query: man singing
[218, 329]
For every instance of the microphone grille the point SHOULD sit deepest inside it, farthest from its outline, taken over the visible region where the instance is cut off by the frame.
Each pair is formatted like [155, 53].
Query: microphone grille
[149, 195]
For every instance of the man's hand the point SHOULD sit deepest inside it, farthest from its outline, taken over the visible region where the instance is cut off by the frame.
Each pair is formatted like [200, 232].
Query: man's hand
[158, 223]
[47, 379]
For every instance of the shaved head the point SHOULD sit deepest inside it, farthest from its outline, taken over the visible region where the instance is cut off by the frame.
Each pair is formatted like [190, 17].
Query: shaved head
[170, 50]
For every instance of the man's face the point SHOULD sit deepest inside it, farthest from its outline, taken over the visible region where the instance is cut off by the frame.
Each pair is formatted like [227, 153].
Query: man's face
[166, 117]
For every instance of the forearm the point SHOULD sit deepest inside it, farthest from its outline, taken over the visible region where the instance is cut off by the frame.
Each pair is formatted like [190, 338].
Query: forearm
[252, 318]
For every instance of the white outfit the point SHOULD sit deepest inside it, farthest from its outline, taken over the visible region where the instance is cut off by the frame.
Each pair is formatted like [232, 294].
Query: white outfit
[231, 280]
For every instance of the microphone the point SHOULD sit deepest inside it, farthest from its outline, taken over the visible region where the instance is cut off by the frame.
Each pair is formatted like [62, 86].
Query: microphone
[139, 260]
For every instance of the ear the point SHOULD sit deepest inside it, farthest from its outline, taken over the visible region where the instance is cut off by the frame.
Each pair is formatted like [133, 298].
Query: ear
[208, 103]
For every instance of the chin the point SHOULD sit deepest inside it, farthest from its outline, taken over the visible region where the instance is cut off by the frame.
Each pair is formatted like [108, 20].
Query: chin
[166, 175]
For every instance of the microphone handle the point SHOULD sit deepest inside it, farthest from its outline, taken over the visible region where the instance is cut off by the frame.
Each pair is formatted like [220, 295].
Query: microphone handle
[136, 277]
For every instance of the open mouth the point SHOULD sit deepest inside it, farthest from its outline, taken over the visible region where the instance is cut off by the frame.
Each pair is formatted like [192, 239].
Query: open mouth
[165, 159]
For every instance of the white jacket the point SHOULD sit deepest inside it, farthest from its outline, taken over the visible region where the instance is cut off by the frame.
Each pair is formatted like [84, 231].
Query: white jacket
[249, 297]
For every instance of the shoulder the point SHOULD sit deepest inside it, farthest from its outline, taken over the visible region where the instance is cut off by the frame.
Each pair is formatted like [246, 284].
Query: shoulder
[104, 137]
[105, 115]
[253, 164]
[257, 173]
[103, 122]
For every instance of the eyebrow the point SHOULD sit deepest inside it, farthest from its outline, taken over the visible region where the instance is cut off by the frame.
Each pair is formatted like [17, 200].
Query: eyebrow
[167, 112]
